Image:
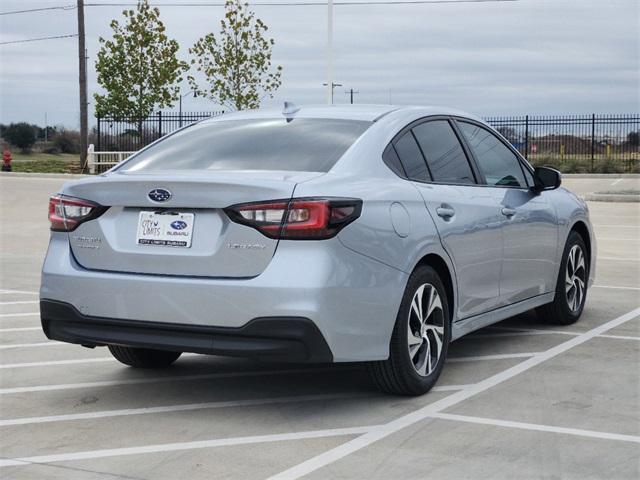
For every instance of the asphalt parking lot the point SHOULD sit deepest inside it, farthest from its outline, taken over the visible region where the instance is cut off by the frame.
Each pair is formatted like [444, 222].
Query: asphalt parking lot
[519, 400]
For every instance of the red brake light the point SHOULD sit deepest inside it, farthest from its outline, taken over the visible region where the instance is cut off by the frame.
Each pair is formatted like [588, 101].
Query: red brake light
[297, 219]
[66, 213]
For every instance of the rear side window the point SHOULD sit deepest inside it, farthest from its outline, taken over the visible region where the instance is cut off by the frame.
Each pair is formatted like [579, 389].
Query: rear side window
[500, 166]
[392, 160]
[304, 144]
[445, 157]
[411, 158]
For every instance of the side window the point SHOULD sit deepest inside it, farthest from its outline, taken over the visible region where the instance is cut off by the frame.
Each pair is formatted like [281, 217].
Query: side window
[411, 158]
[445, 157]
[392, 160]
[499, 165]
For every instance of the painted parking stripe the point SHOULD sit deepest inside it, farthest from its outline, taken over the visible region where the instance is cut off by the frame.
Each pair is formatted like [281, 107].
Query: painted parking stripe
[32, 345]
[173, 378]
[480, 358]
[20, 292]
[56, 362]
[533, 331]
[198, 406]
[20, 329]
[29, 314]
[20, 302]
[616, 287]
[537, 427]
[179, 408]
[174, 447]
[416, 416]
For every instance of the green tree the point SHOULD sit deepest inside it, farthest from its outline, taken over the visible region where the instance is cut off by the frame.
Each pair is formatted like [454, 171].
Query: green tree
[236, 64]
[139, 67]
[22, 135]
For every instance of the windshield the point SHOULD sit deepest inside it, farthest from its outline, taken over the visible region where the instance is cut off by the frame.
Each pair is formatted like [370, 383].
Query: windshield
[310, 145]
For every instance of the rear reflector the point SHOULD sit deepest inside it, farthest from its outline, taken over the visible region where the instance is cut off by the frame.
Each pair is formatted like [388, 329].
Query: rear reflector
[299, 218]
[66, 213]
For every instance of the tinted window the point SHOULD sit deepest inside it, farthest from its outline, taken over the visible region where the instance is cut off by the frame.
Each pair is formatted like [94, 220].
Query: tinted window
[445, 156]
[392, 160]
[312, 145]
[499, 165]
[411, 157]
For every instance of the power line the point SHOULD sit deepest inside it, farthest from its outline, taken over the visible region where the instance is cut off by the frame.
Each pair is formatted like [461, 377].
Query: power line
[39, 39]
[301, 4]
[60, 7]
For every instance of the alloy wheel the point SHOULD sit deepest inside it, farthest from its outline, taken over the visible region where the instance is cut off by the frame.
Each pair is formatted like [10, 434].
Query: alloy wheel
[575, 278]
[425, 329]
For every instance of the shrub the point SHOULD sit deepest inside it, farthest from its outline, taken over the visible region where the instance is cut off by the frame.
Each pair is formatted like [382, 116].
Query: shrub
[22, 135]
[67, 141]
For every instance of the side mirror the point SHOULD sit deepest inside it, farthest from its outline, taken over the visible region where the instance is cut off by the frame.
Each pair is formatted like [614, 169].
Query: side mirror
[546, 178]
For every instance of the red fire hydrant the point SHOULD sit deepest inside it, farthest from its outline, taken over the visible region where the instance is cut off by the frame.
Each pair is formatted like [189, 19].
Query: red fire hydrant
[6, 159]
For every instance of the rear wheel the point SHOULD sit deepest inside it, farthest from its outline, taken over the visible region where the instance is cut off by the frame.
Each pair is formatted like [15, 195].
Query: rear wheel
[571, 287]
[143, 357]
[420, 338]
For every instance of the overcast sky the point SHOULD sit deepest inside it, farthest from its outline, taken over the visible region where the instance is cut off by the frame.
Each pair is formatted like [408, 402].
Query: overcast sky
[525, 57]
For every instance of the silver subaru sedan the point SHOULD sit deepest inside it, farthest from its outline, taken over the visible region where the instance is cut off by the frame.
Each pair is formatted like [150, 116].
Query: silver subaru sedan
[324, 234]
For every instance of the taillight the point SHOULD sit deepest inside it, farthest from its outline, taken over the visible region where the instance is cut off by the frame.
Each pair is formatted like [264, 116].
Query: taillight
[299, 218]
[66, 213]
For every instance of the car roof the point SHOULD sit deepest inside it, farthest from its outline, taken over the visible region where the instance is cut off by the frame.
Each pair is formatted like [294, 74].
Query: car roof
[362, 112]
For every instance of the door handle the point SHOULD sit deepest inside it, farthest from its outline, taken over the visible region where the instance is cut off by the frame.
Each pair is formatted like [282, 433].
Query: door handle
[508, 212]
[445, 212]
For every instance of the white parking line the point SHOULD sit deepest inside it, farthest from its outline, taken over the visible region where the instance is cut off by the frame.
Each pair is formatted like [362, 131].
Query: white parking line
[56, 362]
[30, 314]
[504, 356]
[20, 329]
[173, 447]
[20, 302]
[22, 292]
[173, 378]
[616, 287]
[617, 181]
[537, 427]
[533, 331]
[383, 431]
[618, 259]
[179, 408]
[32, 345]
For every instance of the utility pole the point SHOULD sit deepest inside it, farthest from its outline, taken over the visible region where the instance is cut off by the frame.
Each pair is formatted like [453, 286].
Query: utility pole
[82, 68]
[351, 92]
[329, 82]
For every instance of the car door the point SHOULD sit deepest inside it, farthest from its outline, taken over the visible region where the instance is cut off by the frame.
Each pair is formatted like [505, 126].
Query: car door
[467, 217]
[529, 226]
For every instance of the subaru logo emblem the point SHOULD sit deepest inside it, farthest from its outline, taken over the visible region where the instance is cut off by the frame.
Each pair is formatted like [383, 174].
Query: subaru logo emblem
[159, 195]
[178, 225]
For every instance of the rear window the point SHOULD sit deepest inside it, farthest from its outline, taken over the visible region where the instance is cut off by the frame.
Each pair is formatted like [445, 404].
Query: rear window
[303, 144]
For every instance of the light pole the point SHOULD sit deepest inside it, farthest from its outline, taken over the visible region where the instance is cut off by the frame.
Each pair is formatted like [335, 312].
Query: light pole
[330, 90]
[180, 104]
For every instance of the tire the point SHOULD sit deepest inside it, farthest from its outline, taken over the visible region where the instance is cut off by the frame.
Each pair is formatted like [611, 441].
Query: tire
[403, 373]
[143, 357]
[566, 308]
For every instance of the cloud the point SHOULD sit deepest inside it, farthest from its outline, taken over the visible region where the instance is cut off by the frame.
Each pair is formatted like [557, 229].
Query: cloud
[531, 56]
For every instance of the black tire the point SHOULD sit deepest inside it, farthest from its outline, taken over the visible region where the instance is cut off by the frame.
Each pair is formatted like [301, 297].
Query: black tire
[559, 312]
[143, 357]
[397, 375]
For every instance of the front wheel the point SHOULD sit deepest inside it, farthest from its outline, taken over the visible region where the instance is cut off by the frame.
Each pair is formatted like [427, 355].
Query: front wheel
[143, 357]
[571, 286]
[420, 338]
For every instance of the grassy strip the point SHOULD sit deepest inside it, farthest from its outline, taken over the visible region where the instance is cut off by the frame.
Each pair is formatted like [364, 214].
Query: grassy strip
[44, 163]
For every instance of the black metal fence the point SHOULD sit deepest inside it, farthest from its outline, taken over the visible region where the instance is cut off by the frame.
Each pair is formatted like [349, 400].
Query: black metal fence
[576, 143]
[128, 134]
[571, 143]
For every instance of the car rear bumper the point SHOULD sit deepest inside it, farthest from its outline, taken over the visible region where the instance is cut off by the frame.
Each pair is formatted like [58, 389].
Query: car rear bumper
[351, 299]
[293, 339]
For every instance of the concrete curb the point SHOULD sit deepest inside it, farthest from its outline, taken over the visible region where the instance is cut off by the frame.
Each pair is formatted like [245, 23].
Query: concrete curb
[70, 176]
[612, 197]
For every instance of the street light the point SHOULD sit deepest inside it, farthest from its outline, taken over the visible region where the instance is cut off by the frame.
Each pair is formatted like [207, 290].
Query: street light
[333, 86]
[180, 108]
